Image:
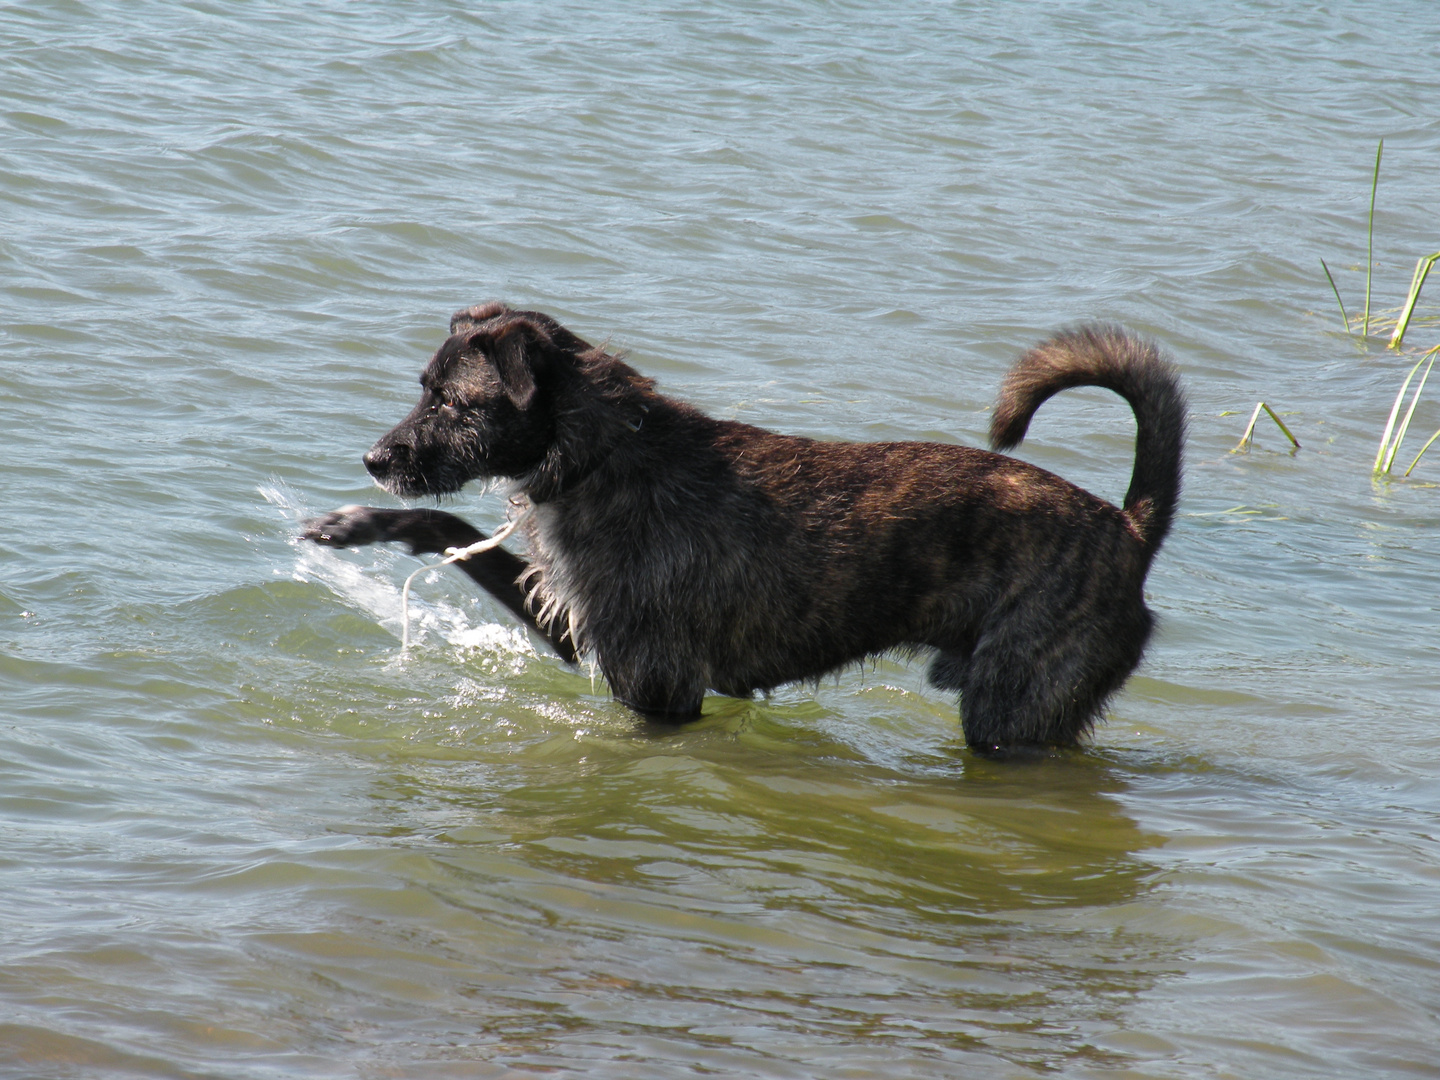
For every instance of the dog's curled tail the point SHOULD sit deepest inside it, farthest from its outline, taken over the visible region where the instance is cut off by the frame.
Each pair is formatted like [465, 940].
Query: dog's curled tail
[1110, 357]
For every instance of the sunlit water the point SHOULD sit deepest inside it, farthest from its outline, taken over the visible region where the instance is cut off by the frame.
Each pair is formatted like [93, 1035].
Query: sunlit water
[243, 836]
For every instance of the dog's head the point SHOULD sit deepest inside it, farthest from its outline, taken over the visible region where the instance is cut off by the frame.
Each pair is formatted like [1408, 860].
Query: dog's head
[503, 397]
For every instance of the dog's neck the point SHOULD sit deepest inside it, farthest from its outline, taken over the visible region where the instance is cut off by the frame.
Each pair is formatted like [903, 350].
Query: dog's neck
[587, 442]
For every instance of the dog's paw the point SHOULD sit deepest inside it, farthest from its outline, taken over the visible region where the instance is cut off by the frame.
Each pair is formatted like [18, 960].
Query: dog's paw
[350, 526]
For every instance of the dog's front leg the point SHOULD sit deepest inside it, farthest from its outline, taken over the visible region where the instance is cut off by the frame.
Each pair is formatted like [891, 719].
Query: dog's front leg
[664, 714]
[658, 698]
[427, 532]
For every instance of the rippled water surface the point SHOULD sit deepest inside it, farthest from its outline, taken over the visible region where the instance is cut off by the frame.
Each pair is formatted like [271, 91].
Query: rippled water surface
[243, 836]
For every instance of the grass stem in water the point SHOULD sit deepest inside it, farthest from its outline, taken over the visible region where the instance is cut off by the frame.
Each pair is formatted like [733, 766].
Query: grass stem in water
[1247, 438]
[1343, 317]
[1370, 243]
[1417, 282]
[1418, 456]
[1385, 457]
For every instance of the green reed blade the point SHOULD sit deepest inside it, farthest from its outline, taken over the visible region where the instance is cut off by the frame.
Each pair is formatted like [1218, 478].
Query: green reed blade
[1414, 400]
[1281, 425]
[1343, 317]
[1417, 282]
[1249, 430]
[1394, 412]
[1422, 451]
[1246, 439]
[1370, 244]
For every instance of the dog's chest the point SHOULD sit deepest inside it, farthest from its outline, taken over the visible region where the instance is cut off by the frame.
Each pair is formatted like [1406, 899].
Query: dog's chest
[605, 562]
[557, 555]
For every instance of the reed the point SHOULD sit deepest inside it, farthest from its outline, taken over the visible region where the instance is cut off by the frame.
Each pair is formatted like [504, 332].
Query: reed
[1397, 426]
[1370, 239]
[1427, 446]
[1248, 437]
[1389, 445]
[1343, 317]
[1417, 282]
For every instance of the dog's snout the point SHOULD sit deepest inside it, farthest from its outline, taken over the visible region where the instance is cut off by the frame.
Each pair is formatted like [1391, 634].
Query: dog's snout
[377, 460]
[382, 459]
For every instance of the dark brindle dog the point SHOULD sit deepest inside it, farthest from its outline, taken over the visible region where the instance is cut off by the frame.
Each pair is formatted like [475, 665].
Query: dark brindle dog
[685, 553]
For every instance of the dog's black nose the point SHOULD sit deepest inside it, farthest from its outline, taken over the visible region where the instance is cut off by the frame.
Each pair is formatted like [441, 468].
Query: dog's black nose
[380, 460]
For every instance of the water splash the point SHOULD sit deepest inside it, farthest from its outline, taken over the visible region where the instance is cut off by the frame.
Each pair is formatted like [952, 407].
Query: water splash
[369, 581]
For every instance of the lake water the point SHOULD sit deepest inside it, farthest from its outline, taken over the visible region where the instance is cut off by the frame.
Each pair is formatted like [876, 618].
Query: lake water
[243, 836]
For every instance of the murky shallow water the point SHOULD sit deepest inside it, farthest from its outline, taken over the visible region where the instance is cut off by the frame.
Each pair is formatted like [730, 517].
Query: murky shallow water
[245, 837]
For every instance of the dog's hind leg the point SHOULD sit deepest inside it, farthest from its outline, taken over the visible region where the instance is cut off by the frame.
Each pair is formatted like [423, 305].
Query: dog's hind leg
[497, 571]
[1023, 688]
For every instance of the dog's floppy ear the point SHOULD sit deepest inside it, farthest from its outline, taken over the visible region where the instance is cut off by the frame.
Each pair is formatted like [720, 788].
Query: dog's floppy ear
[471, 317]
[516, 349]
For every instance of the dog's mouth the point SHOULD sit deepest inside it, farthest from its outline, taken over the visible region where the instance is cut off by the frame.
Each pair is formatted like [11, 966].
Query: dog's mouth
[407, 488]
[394, 468]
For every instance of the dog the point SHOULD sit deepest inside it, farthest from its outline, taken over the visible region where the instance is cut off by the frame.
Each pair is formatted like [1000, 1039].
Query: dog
[684, 554]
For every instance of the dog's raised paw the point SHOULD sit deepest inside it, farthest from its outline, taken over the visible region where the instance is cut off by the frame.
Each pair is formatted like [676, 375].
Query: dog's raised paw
[350, 526]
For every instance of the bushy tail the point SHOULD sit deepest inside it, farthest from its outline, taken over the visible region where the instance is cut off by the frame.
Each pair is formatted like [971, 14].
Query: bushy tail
[1110, 357]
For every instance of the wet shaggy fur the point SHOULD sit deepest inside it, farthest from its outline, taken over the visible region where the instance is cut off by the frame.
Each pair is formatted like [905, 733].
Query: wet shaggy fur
[686, 554]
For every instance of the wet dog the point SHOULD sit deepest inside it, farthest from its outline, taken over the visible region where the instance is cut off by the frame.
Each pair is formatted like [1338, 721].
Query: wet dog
[685, 554]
